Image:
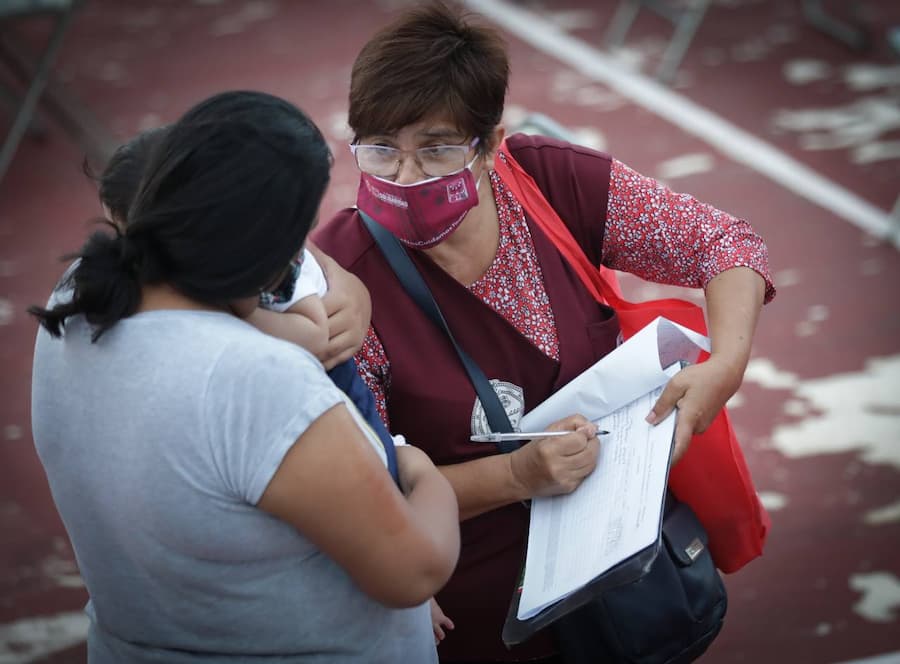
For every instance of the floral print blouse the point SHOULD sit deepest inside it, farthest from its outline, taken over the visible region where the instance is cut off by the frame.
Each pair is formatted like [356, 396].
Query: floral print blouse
[651, 231]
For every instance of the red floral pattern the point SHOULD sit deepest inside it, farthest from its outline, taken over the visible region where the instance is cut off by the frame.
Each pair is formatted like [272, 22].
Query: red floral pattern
[647, 235]
[651, 231]
[513, 285]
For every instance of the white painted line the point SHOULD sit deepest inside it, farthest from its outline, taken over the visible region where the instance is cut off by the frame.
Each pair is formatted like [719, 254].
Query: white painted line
[737, 144]
[888, 658]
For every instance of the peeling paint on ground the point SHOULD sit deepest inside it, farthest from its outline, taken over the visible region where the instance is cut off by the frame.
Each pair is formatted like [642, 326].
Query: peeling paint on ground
[32, 638]
[572, 19]
[858, 126]
[6, 311]
[772, 500]
[882, 515]
[802, 72]
[785, 278]
[570, 87]
[852, 411]
[764, 373]
[250, 13]
[685, 165]
[881, 596]
[62, 571]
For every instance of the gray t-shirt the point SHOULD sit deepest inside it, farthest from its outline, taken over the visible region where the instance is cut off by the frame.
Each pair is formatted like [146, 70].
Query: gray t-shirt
[158, 441]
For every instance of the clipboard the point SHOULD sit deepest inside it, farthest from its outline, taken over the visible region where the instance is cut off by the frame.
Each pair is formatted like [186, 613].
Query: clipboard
[628, 570]
[517, 631]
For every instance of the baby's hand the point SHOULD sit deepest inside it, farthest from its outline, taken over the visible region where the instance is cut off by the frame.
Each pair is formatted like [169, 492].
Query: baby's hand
[439, 622]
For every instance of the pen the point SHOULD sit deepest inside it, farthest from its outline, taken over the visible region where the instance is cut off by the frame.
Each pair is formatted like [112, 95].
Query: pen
[523, 435]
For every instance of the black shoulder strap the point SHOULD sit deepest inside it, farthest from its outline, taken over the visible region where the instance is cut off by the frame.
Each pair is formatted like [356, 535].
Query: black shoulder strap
[418, 290]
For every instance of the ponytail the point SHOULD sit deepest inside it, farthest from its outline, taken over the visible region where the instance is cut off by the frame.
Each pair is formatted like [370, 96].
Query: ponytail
[223, 203]
[105, 284]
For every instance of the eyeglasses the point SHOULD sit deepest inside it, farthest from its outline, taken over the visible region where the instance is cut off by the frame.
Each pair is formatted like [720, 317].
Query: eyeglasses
[433, 160]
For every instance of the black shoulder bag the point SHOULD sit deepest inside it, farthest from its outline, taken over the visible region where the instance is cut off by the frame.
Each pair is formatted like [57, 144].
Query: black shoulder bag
[669, 615]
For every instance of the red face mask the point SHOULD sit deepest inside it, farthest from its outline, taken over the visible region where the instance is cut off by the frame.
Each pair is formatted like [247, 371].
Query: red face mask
[421, 214]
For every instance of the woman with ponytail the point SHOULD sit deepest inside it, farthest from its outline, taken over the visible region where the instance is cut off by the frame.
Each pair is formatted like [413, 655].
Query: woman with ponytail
[225, 501]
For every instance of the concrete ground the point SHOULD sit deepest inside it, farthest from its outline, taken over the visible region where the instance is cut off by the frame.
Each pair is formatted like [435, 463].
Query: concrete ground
[768, 118]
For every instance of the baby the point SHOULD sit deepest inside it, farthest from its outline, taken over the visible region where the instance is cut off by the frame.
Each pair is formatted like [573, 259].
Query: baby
[293, 310]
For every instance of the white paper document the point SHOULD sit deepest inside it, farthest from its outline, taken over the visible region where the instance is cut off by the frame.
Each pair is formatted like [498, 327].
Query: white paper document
[616, 511]
[628, 372]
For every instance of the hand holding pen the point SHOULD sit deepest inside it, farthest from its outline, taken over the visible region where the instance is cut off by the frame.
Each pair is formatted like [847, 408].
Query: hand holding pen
[558, 460]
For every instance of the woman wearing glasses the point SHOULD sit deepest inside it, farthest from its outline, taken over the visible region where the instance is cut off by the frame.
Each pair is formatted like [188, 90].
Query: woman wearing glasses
[426, 101]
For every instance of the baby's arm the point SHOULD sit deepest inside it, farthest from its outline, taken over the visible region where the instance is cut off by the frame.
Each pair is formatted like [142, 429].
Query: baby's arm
[305, 323]
[349, 310]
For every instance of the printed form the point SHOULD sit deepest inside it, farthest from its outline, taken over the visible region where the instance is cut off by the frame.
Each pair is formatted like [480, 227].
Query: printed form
[616, 511]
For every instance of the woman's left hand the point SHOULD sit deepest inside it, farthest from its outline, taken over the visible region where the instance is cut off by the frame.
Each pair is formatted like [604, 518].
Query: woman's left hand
[244, 306]
[349, 310]
[699, 391]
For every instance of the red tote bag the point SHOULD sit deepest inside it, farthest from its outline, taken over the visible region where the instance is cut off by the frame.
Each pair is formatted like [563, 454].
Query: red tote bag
[712, 477]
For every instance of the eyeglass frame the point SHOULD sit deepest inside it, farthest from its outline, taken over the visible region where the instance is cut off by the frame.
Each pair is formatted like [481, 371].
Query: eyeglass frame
[414, 151]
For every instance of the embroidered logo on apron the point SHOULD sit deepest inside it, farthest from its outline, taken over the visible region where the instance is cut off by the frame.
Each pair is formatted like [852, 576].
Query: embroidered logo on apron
[513, 399]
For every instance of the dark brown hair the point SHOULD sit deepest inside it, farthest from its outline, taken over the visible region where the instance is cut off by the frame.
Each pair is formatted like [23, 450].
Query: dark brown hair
[431, 59]
[225, 202]
[118, 183]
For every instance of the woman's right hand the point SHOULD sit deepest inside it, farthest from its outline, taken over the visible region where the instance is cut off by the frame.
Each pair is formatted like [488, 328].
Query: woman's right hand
[554, 466]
